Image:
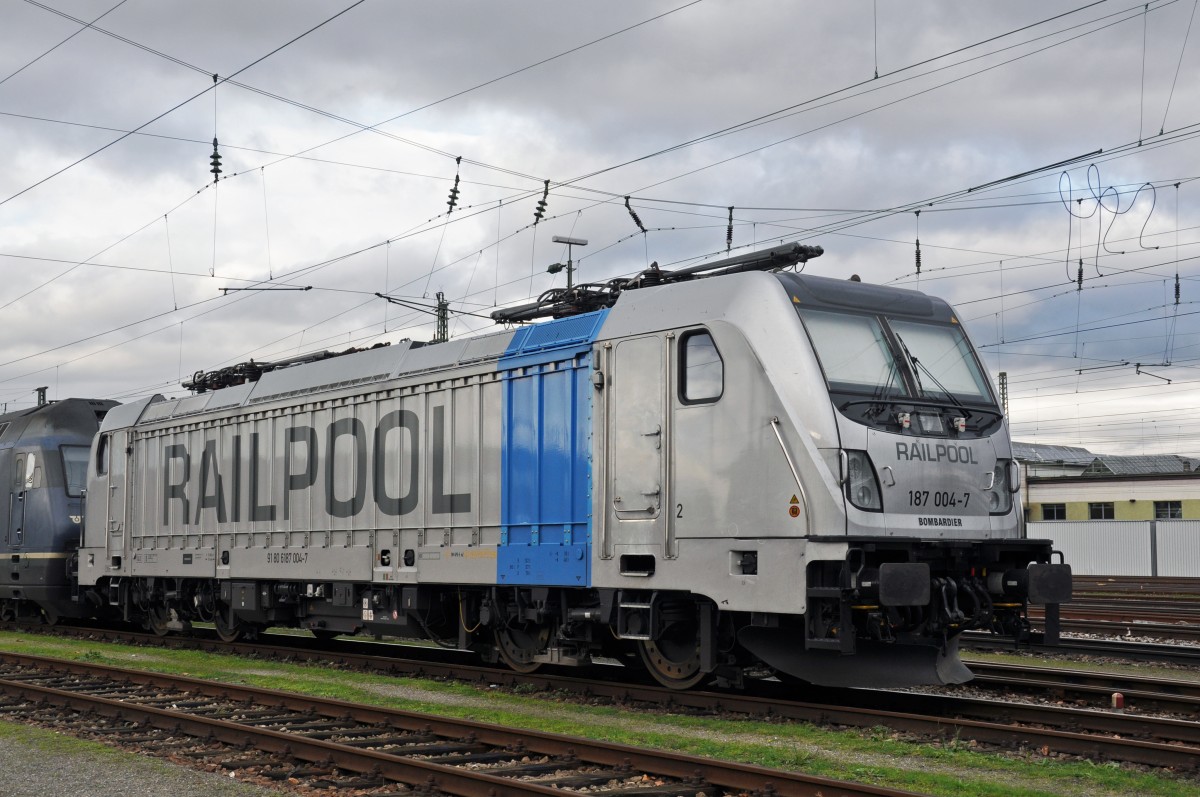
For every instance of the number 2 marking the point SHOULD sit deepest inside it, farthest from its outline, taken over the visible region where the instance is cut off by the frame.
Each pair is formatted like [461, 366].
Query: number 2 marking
[679, 510]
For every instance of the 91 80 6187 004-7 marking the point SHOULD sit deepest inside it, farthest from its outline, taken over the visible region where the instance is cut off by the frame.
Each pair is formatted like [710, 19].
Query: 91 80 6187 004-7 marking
[939, 498]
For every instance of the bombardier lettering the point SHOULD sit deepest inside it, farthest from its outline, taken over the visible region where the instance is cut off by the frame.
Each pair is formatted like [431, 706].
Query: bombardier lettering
[939, 521]
[935, 452]
[352, 457]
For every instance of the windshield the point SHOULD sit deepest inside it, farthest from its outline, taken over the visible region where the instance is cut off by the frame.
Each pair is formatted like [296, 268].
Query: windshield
[943, 361]
[854, 353]
[857, 357]
[75, 465]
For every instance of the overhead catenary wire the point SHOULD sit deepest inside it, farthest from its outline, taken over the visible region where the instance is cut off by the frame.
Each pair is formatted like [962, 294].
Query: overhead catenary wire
[497, 280]
[83, 26]
[179, 105]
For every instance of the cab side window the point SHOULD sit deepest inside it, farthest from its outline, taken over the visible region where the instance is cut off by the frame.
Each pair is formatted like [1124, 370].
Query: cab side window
[102, 455]
[701, 370]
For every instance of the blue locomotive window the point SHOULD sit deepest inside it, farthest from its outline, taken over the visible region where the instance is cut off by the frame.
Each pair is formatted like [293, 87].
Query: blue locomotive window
[75, 462]
[701, 372]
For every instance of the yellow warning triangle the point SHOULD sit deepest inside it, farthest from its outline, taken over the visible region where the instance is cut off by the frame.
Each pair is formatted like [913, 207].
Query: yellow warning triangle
[794, 500]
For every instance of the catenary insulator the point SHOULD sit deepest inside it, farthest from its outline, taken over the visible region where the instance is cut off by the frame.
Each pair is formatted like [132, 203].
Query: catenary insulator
[216, 162]
[634, 216]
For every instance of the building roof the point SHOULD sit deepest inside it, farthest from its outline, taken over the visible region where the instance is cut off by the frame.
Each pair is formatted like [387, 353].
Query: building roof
[1110, 465]
[1037, 452]
[1093, 465]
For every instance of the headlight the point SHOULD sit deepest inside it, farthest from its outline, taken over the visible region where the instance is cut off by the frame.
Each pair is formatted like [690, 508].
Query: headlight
[999, 497]
[862, 485]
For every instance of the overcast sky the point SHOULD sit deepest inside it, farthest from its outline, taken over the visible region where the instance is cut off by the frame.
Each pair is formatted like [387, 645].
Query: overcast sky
[112, 265]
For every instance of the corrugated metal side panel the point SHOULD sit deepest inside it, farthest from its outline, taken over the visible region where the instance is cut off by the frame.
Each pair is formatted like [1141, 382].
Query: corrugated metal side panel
[1099, 547]
[545, 503]
[1178, 547]
[552, 340]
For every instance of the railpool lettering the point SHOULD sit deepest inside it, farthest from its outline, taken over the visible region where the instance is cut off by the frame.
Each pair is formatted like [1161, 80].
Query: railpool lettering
[352, 455]
[935, 452]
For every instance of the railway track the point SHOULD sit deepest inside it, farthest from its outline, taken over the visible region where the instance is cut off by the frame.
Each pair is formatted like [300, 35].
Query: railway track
[1105, 648]
[1187, 589]
[1093, 733]
[379, 748]
[1093, 689]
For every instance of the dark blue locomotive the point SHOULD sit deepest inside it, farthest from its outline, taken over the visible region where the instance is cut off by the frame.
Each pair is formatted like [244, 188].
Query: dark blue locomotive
[43, 467]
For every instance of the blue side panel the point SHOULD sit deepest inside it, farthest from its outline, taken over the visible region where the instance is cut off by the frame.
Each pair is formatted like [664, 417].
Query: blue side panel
[546, 492]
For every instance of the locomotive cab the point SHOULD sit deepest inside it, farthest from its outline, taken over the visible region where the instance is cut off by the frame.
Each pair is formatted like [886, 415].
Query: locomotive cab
[933, 539]
[43, 473]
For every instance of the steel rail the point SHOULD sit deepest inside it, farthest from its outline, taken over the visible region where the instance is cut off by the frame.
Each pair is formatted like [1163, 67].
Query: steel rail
[1118, 648]
[987, 721]
[1138, 693]
[691, 770]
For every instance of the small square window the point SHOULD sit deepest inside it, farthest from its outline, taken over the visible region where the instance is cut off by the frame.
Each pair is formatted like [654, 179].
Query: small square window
[1054, 511]
[1168, 510]
[1100, 511]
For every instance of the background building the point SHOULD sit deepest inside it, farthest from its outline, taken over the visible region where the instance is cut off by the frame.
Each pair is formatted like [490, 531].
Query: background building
[1069, 483]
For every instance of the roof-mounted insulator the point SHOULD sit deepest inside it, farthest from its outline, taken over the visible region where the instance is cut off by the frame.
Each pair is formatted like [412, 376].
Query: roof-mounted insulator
[453, 201]
[729, 232]
[634, 216]
[216, 162]
[918, 213]
[541, 205]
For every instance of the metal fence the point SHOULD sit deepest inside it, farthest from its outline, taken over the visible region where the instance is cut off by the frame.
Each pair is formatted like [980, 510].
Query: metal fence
[1125, 547]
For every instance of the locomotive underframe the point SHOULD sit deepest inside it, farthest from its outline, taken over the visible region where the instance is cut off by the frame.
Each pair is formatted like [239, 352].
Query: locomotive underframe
[889, 613]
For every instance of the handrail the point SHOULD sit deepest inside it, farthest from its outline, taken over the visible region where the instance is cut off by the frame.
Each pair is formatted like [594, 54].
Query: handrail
[795, 475]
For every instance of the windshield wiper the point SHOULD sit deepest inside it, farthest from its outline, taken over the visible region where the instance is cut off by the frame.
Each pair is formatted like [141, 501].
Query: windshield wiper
[920, 366]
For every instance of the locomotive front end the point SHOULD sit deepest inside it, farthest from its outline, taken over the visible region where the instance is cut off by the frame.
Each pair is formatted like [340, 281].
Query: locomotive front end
[933, 540]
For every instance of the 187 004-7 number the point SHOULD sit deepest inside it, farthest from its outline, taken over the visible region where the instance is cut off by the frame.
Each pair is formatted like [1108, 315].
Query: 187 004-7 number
[938, 498]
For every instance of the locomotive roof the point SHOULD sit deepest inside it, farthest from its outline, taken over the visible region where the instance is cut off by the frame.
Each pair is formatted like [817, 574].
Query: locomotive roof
[738, 297]
[812, 291]
[57, 418]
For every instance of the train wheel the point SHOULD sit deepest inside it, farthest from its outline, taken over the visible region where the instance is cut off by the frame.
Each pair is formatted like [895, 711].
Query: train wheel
[226, 631]
[674, 658]
[325, 634]
[517, 645]
[50, 616]
[8, 612]
[156, 620]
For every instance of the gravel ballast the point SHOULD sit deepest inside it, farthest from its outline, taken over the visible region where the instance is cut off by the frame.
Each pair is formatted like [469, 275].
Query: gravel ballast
[40, 763]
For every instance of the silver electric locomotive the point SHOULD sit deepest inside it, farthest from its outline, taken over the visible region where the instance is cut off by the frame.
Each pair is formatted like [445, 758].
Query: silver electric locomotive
[727, 470]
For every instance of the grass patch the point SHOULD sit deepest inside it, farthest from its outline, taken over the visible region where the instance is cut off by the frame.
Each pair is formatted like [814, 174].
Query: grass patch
[54, 744]
[878, 756]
